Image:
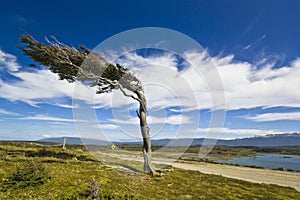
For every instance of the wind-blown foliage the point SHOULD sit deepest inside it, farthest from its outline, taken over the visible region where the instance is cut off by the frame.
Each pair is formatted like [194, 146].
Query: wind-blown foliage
[79, 64]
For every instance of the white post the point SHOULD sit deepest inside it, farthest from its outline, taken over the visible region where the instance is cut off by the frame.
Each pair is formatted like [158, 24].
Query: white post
[64, 142]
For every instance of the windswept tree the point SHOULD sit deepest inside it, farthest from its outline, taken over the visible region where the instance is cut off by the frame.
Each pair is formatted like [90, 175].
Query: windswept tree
[82, 64]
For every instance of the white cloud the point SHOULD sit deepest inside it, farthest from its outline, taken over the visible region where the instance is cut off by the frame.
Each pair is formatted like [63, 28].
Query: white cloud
[34, 87]
[47, 118]
[165, 86]
[8, 62]
[62, 105]
[58, 123]
[248, 87]
[44, 87]
[108, 126]
[274, 117]
[237, 131]
[4, 112]
[57, 135]
[175, 110]
[172, 119]
[245, 85]
[132, 121]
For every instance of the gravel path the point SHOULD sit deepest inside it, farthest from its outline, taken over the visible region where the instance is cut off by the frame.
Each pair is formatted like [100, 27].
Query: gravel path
[283, 178]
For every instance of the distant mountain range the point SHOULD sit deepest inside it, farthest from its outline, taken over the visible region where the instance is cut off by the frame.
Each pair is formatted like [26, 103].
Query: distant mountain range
[286, 139]
[74, 140]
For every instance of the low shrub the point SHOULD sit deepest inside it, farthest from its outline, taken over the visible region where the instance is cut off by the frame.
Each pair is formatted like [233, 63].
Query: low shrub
[47, 153]
[28, 174]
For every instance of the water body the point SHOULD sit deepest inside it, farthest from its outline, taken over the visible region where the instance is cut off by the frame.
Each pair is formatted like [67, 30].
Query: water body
[271, 161]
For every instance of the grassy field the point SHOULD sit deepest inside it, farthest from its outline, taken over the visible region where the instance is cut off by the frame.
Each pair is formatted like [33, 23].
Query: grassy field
[191, 153]
[44, 171]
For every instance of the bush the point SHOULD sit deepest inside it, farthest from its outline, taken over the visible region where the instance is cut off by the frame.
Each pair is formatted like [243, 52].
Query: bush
[58, 154]
[28, 174]
[49, 153]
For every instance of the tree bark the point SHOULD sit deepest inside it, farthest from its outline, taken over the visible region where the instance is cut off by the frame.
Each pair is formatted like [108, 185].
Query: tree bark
[145, 133]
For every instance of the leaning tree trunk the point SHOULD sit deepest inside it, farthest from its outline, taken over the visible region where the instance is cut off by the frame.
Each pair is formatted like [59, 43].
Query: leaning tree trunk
[145, 133]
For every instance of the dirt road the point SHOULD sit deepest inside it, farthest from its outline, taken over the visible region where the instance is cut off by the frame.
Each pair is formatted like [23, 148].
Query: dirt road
[283, 178]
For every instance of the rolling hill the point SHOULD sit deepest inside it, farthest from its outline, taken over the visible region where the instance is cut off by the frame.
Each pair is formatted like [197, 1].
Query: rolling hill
[286, 139]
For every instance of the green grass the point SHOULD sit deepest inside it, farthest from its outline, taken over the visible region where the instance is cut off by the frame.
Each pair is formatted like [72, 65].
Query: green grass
[191, 153]
[74, 174]
[217, 153]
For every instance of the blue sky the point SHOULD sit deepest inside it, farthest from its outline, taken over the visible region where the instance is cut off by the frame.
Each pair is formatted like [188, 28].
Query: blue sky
[253, 44]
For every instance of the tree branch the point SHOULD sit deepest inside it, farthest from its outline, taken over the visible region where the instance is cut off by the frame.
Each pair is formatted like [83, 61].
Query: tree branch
[129, 95]
[138, 114]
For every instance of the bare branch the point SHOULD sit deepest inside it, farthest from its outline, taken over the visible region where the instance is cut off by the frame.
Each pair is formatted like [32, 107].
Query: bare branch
[129, 95]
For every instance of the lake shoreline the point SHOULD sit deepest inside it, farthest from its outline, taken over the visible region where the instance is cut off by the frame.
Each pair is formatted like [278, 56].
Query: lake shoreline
[282, 162]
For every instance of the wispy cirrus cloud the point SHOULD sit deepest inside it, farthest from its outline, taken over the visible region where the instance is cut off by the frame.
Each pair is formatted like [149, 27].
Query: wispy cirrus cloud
[47, 118]
[253, 44]
[5, 112]
[267, 117]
